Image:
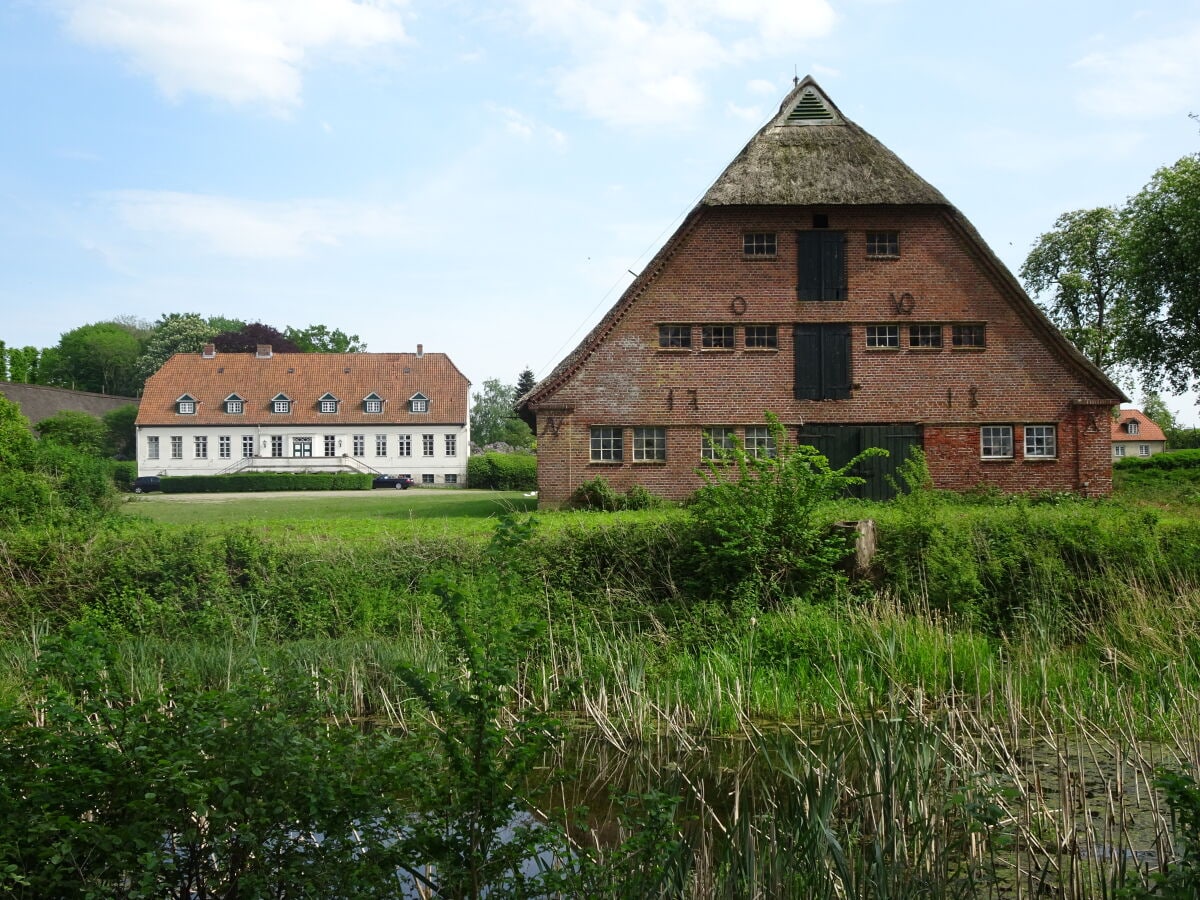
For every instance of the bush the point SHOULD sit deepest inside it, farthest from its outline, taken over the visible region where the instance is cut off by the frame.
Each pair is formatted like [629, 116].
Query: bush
[502, 471]
[267, 481]
[1176, 459]
[123, 473]
[600, 496]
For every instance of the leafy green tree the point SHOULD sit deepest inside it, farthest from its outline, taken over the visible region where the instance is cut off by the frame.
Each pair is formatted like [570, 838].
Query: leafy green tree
[319, 339]
[101, 357]
[1079, 270]
[248, 338]
[1157, 410]
[3, 361]
[173, 333]
[493, 418]
[78, 430]
[23, 365]
[525, 382]
[122, 434]
[1162, 255]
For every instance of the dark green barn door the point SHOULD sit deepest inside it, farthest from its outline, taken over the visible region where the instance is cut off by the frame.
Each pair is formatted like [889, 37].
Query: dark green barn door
[841, 443]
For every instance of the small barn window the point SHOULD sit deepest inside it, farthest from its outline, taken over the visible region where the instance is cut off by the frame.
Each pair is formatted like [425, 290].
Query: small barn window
[716, 337]
[675, 336]
[759, 243]
[883, 244]
[883, 337]
[967, 336]
[996, 442]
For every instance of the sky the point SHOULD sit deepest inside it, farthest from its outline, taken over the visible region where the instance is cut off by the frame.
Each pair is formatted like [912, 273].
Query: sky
[485, 178]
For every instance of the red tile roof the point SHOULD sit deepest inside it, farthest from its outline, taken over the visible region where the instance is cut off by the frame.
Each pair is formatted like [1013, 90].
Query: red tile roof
[305, 378]
[1147, 430]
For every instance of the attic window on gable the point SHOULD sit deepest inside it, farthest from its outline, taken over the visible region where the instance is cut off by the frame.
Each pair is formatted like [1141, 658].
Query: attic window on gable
[810, 108]
[281, 403]
[883, 244]
[1131, 427]
[759, 243]
[234, 405]
[186, 405]
[418, 403]
[328, 404]
[372, 403]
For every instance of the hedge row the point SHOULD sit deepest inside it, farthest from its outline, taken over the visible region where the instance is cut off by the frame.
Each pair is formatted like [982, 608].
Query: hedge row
[266, 481]
[503, 471]
[1177, 459]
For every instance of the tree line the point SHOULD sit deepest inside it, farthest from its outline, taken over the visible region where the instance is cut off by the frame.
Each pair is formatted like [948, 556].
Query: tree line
[116, 356]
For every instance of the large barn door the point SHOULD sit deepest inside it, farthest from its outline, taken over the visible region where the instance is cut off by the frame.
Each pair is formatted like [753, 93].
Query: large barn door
[841, 443]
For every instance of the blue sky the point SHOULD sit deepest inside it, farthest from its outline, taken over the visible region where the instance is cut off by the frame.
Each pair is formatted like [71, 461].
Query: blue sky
[481, 178]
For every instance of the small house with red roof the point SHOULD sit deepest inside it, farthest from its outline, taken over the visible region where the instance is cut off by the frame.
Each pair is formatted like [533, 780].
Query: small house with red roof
[821, 280]
[1134, 434]
[213, 413]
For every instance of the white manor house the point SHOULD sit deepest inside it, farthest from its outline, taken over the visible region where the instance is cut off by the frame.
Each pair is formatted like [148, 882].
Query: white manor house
[213, 413]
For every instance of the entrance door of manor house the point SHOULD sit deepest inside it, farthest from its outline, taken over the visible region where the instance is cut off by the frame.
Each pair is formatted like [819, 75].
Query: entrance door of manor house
[841, 443]
[302, 446]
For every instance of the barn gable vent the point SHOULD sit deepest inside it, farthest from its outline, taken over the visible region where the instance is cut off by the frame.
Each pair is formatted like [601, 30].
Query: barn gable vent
[811, 108]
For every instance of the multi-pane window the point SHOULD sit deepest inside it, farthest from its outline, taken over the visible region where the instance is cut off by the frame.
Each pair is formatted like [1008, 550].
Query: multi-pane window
[328, 406]
[427, 445]
[381, 445]
[883, 336]
[404, 447]
[967, 336]
[187, 407]
[234, 407]
[649, 444]
[716, 441]
[996, 442]
[225, 446]
[1041, 441]
[674, 335]
[330, 442]
[762, 337]
[883, 243]
[281, 406]
[759, 243]
[419, 404]
[1118, 449]
[373, 406]
[176, 447]
[247, 445]
[358, 444]
[201, 447]
[427, 479]
[151, 448]
[925, 335]
[716, 337]
[607, 444]
[277, 445]
[450, 478]
[759, 441]
[451, 445]
[1143, 449]
[1131, 427]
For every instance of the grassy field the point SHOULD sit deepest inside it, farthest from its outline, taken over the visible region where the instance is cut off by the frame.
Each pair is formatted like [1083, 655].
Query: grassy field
[325, 506]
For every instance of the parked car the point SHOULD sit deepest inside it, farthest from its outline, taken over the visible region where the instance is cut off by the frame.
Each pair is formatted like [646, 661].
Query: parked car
[401, 482]
[146, 483]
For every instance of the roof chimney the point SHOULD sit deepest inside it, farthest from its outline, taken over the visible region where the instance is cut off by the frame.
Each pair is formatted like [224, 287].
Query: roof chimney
[263, 352]
[210, 351]
[420, 350]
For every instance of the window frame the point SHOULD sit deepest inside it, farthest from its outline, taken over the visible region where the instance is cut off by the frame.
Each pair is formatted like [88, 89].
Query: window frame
[404, 445]
[882, 244]
[329, 444]
[177, 446]
[606, 444]
[674, 336]
[709, 334]
[960, 331]
[451, 445]
[427, 444]
[711, 450]
[1143, 450]
[759, 442]
[247, 446]
[1119, 451]
[277, 446]
[281, 404]
[760, 244]
[418, 403]
[200, 446]
[358, 445]
[1043, 448]
[888, 340]
[381, 442]
[234, 405]
[924, 336]
[153, 447]
[186, 405]
[649, 444]
[224, 446]
[1000, 431]
[767, 340]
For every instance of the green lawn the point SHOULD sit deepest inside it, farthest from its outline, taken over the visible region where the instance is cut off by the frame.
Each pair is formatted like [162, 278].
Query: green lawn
[315, 508]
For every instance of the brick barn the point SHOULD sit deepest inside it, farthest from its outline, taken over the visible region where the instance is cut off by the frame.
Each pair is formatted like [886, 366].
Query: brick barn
[822, 280]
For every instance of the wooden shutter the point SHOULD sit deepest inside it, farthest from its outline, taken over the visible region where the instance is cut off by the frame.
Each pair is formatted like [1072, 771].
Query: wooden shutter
[807, 339]
[835, 362]
[821, 261]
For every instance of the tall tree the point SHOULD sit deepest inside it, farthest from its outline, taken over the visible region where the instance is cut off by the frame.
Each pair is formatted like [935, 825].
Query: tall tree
[1077, 270]
[101, 357]
[122, 433]
[173, 333]
[319, 339]
[1162, 253]
[23, 365]
[493, 419]
[3, 361]
[525, 382]
[1158, 412]
[248, 338]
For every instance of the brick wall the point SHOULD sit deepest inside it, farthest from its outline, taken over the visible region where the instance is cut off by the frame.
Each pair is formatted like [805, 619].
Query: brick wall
[940, 278]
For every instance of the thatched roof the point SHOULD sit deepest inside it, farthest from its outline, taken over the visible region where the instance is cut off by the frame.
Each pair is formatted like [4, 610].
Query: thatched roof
[812, 155]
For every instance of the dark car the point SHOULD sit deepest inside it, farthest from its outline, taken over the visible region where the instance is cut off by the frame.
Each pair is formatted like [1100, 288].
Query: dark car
[402, 482]
[146, 483]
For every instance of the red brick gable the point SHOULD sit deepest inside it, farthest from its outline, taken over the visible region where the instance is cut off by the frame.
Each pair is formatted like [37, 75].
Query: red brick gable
[304, 378]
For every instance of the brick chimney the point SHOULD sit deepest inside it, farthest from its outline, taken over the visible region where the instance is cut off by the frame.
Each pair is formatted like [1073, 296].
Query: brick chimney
[420, 350]
[263, 352]
[210, 351]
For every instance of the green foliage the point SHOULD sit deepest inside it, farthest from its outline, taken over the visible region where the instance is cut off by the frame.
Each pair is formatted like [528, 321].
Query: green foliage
[755, 526]
[502, 471]
[1177, 459]
[78, 430]
[493, 419]
[266, 481]
[101, 357]
[319, 339]
[1162, 244]
[1080, 267]
[185, 792]
[122, 434]
[173, 333]
[17, 442]
[23, 365]
[598, 495]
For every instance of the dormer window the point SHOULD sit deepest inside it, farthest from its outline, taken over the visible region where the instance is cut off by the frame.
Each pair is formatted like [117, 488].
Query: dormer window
[1131, 426]
[234, 405]
[372, 403]
[418, 403]
[281, 403]
[186, 405]
[328, 404]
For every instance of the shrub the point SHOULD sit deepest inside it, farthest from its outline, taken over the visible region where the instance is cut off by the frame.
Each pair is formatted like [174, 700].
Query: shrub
[502, 471]
[600, 496]
[123, 473]
[267, 481]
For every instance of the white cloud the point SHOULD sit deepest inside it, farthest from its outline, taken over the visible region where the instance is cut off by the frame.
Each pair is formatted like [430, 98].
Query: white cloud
[519, 125]
[239, 51]
[224, 226]
[1145, 79]
[643, 62]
